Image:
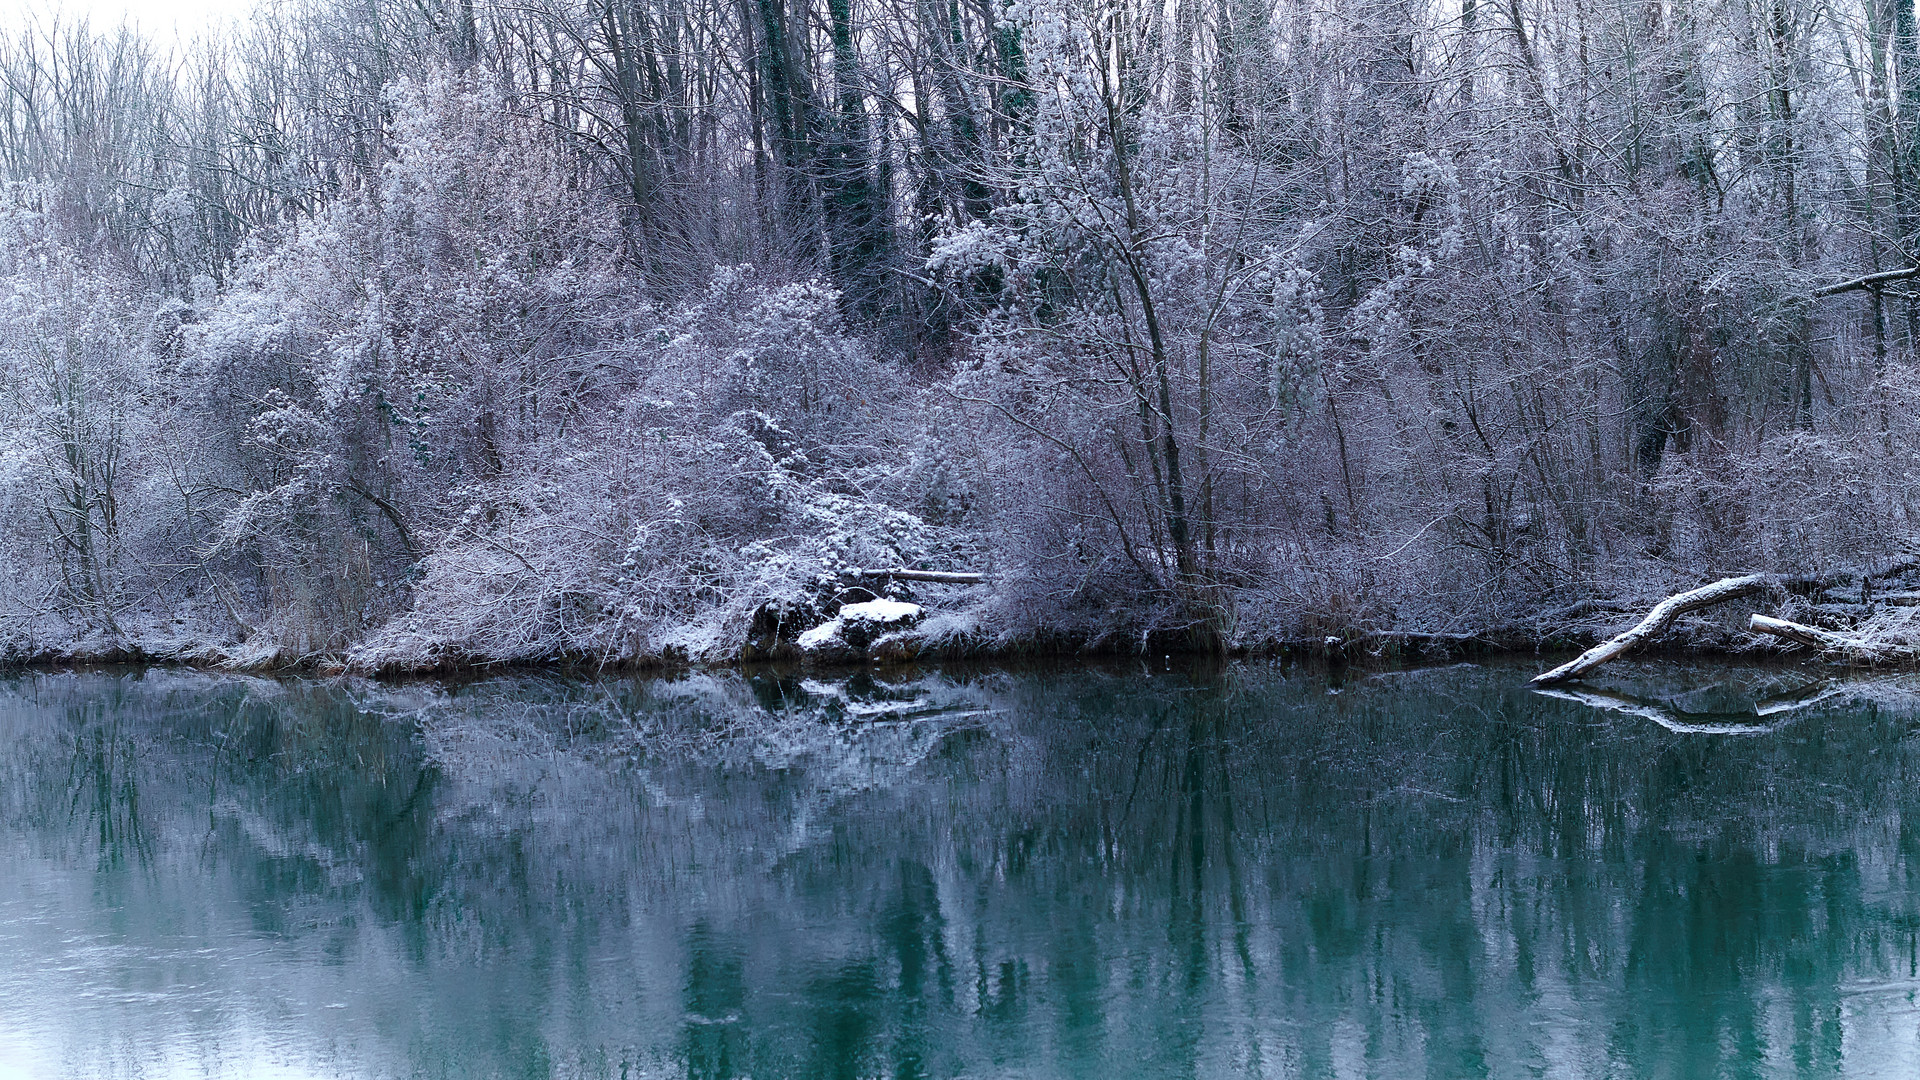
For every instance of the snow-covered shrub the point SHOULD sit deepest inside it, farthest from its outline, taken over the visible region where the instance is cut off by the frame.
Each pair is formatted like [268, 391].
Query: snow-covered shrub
[78, 449]
[422, 334]
[683, 496]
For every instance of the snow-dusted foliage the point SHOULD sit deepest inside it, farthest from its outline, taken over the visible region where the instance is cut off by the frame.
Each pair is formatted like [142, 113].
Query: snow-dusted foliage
[492, 333]
[435, 421]
[1151, 344]
[80, 456]
[726, 464]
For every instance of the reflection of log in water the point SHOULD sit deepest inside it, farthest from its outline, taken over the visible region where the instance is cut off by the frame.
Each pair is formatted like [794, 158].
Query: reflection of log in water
[1769, 714]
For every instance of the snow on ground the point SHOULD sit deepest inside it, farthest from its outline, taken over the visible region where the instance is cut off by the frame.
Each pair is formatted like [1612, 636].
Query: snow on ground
[866, 621]
[884, 612]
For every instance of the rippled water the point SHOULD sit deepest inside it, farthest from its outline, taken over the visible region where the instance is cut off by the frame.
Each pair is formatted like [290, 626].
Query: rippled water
[1249, 872]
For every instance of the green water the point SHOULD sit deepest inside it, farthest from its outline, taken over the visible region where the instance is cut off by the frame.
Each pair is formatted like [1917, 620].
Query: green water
[1117, 873]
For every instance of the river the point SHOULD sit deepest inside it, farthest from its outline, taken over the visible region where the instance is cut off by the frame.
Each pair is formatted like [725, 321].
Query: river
[1126, 871]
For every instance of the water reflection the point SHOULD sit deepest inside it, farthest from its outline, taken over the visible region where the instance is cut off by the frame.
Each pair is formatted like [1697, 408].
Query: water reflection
[1088, 873]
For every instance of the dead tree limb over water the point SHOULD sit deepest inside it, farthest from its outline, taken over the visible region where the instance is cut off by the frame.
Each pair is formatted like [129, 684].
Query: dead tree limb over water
[1657, 620]
[1880, 643]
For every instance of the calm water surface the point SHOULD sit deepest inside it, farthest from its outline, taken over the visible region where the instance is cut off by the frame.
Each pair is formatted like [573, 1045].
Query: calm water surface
[1250, 872]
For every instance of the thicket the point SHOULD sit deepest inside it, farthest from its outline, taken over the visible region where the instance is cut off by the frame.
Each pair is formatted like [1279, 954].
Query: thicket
[623, 329]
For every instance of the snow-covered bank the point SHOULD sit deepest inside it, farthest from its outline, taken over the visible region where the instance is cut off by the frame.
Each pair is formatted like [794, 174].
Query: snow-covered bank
[848, 625]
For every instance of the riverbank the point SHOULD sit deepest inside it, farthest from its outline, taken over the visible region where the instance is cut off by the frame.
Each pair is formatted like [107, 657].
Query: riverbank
[821, 637]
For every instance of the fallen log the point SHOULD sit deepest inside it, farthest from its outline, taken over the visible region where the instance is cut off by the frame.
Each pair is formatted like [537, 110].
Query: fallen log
[1868, 282]
[1657, 620]
[1858, 650]
[1799, 633]
[942, 577]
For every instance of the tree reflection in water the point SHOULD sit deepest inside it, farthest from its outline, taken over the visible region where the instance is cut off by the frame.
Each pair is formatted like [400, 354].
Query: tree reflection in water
[1063, 873]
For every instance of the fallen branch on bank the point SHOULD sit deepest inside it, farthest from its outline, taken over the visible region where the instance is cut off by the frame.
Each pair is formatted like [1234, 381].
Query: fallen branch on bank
[941, 577]
[1857, 649]
[1657, 620]
[1800, 633]
[1868, 282]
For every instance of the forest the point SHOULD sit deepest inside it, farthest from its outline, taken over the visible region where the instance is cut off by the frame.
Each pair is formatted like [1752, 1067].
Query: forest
[400, 334]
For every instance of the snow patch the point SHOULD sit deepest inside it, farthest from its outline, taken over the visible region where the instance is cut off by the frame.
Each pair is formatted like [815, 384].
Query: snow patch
[884, 612]
[827, 633]
[858, 625]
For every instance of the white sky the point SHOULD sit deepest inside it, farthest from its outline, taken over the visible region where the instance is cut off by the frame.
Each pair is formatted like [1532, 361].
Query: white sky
[165, 21]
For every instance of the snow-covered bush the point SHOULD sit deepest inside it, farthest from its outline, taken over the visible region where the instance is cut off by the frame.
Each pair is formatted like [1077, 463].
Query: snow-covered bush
[78, 449]
[424, 333]
[658, 522]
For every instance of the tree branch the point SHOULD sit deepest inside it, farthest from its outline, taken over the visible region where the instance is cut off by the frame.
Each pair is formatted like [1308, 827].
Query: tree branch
[1870, 281]
[1661, 617]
